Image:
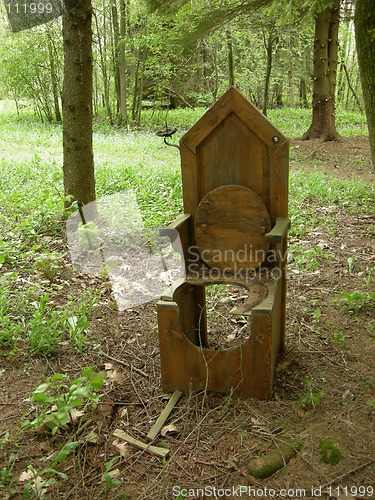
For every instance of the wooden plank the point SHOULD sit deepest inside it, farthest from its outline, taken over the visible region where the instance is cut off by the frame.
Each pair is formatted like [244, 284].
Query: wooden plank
[279, 173]
[208, 122]
[230, 225]
[155, 429]
[233, 154]
[261, 354]
[154, 450]
[283, 247]
[257, 122]
[170, 291]
[190, 188]
[267, 305]
[192, 313]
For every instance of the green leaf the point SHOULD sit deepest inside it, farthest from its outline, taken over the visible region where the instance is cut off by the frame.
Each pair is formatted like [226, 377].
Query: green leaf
[98, 380]
[76, 403]
[64, 452]
[51, 470]
[41, 397]
[49, 482]
[109, 464]
[80, 392]
[108, 479]
[88, 372]
[72, 322]
[57, 377]
[40, 389]
[54, 430]
[317, 314]
[27, 491]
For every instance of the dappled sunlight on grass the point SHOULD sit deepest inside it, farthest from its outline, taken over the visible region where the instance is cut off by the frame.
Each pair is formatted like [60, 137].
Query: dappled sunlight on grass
[31, 168]
[294, 122]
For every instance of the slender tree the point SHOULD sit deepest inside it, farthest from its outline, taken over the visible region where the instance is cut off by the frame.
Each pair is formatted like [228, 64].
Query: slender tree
[324, 74]
[121, 64]
[269, 40]
[56, 90]
[78, 165]
[102, 49]
[365, 39]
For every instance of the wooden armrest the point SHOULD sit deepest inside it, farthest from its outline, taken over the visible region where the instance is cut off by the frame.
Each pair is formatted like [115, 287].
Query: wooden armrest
[267, 305]
[278, 232]
[168, 294]
[179, 224]
[179, 233]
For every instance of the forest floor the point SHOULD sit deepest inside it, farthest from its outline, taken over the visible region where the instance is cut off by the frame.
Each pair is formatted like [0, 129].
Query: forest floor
[324, 387]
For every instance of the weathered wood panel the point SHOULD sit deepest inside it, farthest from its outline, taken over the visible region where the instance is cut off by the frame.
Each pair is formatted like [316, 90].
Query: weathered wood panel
[230, 226]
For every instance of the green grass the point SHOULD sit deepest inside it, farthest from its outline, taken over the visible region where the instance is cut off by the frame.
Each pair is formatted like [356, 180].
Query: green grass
[31, 191]
[32, 257]
[142, 162]
[314, 196]
[32, 322]
[294, 122]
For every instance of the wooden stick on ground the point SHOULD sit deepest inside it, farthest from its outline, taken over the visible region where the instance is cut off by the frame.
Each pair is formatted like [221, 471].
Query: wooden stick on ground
[164, 415]
[154, 450]
[123, 363]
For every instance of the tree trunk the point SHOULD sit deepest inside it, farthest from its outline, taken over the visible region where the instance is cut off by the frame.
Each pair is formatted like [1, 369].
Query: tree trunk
[119, 30]
[136, 88]
[277, 98]
[78, 167]
[290, 56]
[303, 82]
[365, 35]
[103, 64]
[116, 41]
[54, 79]
[15, 98]
[345, 51]
[122, 67]
[324, 78]
[268, 44]
[43, 96]
[230, 57]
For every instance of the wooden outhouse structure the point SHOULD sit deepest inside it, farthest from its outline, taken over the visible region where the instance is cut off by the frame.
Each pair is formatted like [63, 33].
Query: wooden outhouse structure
[234, 230]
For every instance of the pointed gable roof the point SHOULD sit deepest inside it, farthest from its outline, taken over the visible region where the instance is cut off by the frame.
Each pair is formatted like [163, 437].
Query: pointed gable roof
[233, 102]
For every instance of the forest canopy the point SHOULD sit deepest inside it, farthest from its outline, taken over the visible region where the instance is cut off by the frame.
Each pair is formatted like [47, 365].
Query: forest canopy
[145, 58]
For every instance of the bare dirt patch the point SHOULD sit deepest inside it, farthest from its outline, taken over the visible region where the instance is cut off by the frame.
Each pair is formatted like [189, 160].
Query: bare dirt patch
[325, 385]
[344, 158]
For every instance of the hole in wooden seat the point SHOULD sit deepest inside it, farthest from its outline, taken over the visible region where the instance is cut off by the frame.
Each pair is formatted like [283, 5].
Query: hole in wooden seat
[224, 330]
[228, 309]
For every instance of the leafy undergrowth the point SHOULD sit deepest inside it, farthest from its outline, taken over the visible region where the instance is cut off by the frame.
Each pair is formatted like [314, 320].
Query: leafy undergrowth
[73, 368]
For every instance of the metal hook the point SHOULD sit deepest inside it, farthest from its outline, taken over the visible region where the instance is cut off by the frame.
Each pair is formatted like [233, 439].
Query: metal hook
[166, 134]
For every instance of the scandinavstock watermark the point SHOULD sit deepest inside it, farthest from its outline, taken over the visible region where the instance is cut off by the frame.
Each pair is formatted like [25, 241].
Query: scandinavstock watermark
[109, 238]
[270, 264]
[265, 492]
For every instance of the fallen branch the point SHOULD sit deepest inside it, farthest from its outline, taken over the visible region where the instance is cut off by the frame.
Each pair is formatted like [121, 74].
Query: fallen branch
[154, 450]
[267, 465]
[123, 363]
